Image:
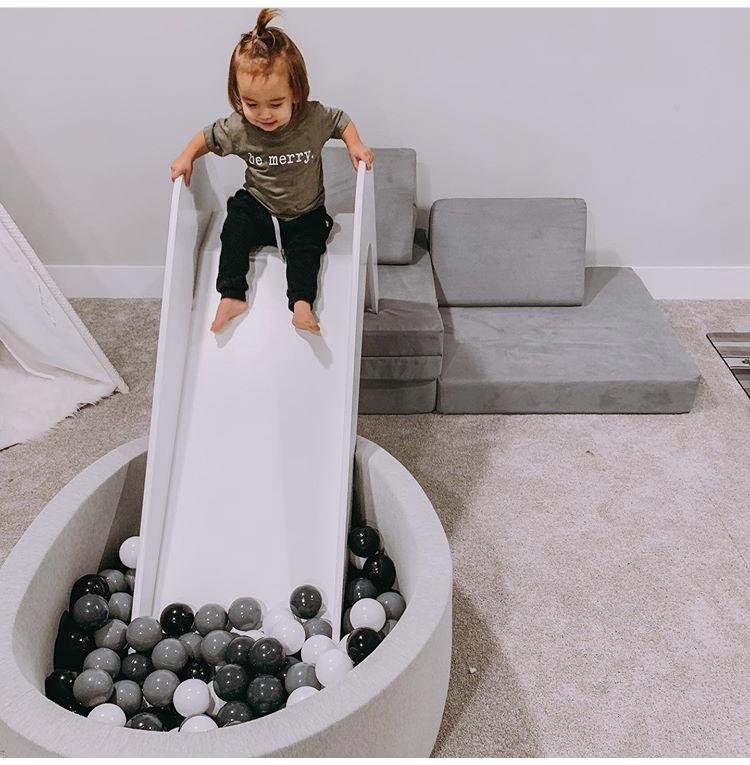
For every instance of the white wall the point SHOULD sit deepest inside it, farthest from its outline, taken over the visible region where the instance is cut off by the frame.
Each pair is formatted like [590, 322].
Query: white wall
[642, 112]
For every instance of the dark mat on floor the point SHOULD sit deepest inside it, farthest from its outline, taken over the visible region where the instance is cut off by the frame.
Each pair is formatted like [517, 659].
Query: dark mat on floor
[734, 348]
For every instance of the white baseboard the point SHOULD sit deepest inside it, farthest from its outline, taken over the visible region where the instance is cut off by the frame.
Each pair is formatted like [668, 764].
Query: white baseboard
[664, 283]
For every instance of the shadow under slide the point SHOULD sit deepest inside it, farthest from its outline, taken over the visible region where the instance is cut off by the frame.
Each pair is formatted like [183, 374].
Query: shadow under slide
[251, 446]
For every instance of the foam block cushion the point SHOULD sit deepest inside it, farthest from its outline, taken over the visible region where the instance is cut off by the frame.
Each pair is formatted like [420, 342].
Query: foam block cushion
[388, 397]
[614, 354]
[497, 252]
[395, 182]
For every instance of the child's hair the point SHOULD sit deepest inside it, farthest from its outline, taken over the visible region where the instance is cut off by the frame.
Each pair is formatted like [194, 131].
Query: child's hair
[257, 53]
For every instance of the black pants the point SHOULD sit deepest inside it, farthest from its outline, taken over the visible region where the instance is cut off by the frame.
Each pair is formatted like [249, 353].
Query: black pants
[249, 225]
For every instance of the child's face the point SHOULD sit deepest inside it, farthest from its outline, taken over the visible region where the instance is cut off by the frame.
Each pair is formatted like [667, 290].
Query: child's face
[266, 100]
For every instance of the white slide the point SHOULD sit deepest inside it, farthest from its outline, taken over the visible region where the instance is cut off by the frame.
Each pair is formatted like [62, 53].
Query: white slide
[251, 447]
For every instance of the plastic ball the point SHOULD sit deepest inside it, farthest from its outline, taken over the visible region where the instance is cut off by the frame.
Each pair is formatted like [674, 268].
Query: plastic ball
[315, 647]
[361, 643]
[364, 541]
[300, 694]
[145, 721]
[198, 724]
[346, 624]
[143, 633]
[72, 645]
[299, 675]
[332, 666]
[121, 606]
[129, 552]
[233, 713]
[393, 603]
[191, 697]
[265, 694]
[58, 686]
[245, 613]
[104, 658]
[197, 670]
[342, 642]
[238, 651]
[92, 687]
[115, 580]
[256, 634]
[214, 646]
[291, 634]
[136, 667]
[192, 642]
[306, 601]
[276, 612]
[128, 696]
[289, 662]
[90, 584]
[109, 714]
[130, 579]
[367, 613]
[380, 570]
[356, 562]
[230, 682]
[358, 589]
[112, 635]
[317, 626]
[266, 656]
[159, 687]
[170, 654]
[216, 703]
[210, 618]
[387, 627]
[176, 619]
[90, 612]
[170, 718]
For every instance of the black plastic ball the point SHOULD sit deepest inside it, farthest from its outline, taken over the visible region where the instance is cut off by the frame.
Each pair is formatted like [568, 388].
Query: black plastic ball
[72, 645]
[360, 588]
[266, 656]
[145, 721]
[306, 601]
[90, 612]
[58, 686]
[364, 541]
[234, 712]
[169, 717]
[381, 571]
[196, 670]
[89, 584]
[265, 694]
[238, 651]
[136, 667]
[176, 619]
[361, 643]
[289, 661]
[230, 682]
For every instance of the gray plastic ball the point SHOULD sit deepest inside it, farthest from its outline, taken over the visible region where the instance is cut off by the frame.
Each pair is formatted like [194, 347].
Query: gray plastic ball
[159, 687]
[171, 654]
[387, 627]
[90, 612]
[121, 606]
[393, 603]
[128, 696]
[209, 618]
[245, 613]
[317, 626]
[130, 579]
[300, 674]
[214, 646]
[92, 687]
[112, 635]
[144, 633]
[115, 579]
[346, 624]
[105, 659]
[192, 642]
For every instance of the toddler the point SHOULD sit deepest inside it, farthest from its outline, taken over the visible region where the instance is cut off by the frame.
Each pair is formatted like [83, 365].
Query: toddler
[280, 134]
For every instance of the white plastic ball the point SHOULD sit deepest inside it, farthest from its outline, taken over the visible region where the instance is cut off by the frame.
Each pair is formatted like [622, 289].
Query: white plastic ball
[315, 647]
[356, 561]
[109, 714]
[342, 642]
[256, 634]
[198, 724]
[367, 613]
[332, 666]
[300, 694]
[192, 697]
[276, 612]
[129, 552]
[290, 633]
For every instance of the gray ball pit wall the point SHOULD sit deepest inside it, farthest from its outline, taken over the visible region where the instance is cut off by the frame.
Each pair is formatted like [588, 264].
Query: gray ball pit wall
[390, 705]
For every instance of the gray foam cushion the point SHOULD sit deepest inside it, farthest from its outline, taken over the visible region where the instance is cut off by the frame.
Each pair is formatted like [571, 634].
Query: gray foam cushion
[389, 397]
[614, 354]
[395, 183]
[496, 252]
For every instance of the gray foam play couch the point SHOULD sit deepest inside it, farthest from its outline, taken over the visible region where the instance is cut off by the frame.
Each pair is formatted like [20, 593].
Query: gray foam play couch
[493, 310]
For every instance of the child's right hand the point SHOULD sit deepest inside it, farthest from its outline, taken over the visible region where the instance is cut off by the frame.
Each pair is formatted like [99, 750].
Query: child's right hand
[183, 165]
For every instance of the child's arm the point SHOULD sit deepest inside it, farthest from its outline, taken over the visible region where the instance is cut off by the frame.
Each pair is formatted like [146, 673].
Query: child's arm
[183, 165]
[357, 150]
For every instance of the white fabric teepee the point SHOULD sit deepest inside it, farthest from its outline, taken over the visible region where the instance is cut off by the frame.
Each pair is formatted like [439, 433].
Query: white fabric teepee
[50, 365]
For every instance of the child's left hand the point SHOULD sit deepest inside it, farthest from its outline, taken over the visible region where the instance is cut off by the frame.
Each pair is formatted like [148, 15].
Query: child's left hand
[360, 151]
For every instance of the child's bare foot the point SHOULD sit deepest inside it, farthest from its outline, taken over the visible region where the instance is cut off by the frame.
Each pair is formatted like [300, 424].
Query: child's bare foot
[304, 318]
[228, 309]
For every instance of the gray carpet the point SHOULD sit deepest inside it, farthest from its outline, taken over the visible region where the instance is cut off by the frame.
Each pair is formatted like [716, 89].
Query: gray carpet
[602, 586]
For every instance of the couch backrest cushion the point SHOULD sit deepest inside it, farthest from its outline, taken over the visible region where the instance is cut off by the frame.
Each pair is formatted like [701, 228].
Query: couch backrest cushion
[495, 252]
[395, 183]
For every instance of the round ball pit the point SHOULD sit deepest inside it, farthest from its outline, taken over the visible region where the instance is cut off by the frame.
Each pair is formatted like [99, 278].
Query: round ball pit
[390, 705]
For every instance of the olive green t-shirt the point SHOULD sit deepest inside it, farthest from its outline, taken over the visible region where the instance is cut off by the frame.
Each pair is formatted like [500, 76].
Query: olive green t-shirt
[284, 169]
